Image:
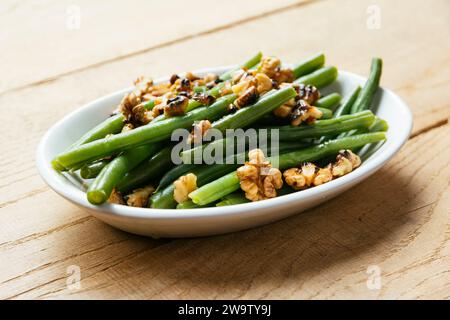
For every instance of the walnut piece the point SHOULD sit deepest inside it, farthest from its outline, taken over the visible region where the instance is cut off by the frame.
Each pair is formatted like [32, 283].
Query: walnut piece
[269, 66]
[283, 111]
[198, 131]
[303, 112]
[346, 161]
[263, 83]
[257, 177]
[247, 98]
[183, 186]
[127, 127]
[116, 197]
[300, 178]
[140, 114]
[176, 106]
[139, 197]
[310, 175]
[204, 98]
[324, 175]
[284, 76]
[308, 93]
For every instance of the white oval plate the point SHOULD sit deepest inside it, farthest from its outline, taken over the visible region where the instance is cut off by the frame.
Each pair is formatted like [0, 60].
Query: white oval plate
[209, 221]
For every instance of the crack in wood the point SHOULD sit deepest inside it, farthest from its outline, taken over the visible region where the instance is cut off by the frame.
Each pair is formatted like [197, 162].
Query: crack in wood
[430, 127]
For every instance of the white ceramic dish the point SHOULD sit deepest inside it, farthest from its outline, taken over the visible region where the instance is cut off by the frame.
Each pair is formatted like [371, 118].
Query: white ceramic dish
[209, 221]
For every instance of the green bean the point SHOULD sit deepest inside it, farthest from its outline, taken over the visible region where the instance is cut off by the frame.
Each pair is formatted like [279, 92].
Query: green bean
[379, 125]
[346, 107]
[200, 89]
[250, 114]
[319, 78]
[361, 120]
[232, 199]
[189, 205]
[149, 105]
[215, 190]
[112, 125]
[101, 188]
[195, 155]
[230, 182]
[247, 65]
[146, 171]
[91, 170]
[326, 113]
[370, 88]
[151, 133]
[309, 65]
[329, 101]
[238, 197]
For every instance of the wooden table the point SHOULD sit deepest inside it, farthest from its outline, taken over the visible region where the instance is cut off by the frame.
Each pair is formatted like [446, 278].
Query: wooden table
[387, 238]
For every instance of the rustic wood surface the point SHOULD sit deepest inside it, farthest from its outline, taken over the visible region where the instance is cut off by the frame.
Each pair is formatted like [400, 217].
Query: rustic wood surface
[396, 223]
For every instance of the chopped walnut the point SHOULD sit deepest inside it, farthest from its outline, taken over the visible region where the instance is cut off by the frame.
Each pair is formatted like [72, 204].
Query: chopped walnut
[183, 186]
[346, 161]
[210, 77]
[269, 66]
[141, 115]
[309, 172]
[308, 93]
[238, 75]
[263, 83]
[272, 182]
[310, 175]
[129, 101]
[198, 131]
[139, 197]
[247, 98]
[294, 178]
[116, 197]
[300, 178]
[304, 112]
[191, 77]
[173, 78]
[143, 84]
[226, 89]
[283, 76]
[160, 89]
[158, 110]
[244, 83]
[182, 84]
[127, 127]
[204, 98]
[257, 177]
[256, 158]
[283, 111]
[176, 106]
[324, 175]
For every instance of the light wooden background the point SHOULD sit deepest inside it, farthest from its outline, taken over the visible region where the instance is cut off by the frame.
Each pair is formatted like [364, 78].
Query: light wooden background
[398, 220]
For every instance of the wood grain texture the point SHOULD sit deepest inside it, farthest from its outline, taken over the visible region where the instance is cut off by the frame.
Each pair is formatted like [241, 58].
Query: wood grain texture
[398, 220]
[67, 36]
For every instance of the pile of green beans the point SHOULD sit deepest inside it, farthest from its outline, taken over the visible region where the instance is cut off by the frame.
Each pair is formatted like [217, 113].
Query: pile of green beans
[125, 161]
